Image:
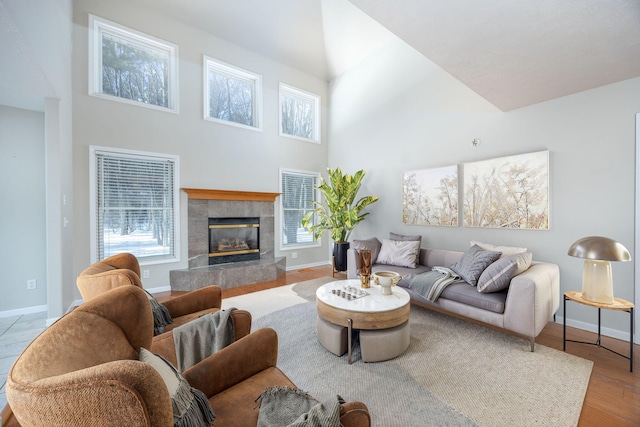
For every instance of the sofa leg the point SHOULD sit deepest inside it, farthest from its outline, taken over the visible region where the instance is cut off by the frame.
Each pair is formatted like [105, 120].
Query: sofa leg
[532, 340]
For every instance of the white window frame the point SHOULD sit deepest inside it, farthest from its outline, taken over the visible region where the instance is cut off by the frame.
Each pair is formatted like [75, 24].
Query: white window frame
[314, 243]
[93, 194]
[216, 65]
[285, 90]
[98, 26]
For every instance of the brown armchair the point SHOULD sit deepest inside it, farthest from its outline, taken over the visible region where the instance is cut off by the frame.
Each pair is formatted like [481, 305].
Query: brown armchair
[123, 269]
[84, 370]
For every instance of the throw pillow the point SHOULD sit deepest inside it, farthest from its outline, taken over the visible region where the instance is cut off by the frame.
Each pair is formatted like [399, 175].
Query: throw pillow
[506, 250]
[372, 244]
[399, 253]
[523, 260]
[161, 316]
[405, 238]
[190, 406]
[473, 263]
[497, 276]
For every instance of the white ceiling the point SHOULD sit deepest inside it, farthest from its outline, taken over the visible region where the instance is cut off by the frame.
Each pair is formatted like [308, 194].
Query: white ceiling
[513, 53]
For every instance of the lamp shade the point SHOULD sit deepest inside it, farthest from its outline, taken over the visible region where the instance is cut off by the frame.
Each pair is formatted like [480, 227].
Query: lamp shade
[600, 248]
[597, 283]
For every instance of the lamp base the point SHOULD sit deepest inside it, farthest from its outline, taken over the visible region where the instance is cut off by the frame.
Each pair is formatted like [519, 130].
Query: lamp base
[597, 282]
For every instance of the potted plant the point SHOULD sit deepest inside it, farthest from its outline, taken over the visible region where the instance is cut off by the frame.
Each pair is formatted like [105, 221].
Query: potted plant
[340, 214]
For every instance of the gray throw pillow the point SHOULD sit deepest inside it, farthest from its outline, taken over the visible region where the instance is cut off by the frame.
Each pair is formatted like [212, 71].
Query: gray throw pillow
[372, 244]
[190, 406]
[473, 263]
[399, 253]
[497, 276]
[406, 238]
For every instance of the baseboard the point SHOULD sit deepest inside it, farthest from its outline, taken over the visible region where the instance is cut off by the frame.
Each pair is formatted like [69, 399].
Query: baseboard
[24, 310]
[613, 333]
[300, 267]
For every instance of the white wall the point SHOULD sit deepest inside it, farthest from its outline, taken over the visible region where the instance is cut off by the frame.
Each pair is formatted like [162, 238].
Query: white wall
[22, 191]
[212, 155]
[45, 82]
[397, 112]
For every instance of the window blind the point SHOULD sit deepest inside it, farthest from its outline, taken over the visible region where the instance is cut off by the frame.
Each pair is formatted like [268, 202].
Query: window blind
[135, 204]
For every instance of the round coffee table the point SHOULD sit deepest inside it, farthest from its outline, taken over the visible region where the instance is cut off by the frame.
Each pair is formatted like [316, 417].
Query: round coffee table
[383, 320]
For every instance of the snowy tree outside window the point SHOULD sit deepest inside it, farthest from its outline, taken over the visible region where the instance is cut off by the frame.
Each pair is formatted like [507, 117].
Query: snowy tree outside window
[299, 114]
[130, 66]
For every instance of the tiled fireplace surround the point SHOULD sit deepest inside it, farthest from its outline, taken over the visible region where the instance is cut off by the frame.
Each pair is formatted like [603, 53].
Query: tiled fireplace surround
[203, 204]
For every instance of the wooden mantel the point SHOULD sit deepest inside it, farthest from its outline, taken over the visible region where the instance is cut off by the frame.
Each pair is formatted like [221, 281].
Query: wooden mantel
[251, 196]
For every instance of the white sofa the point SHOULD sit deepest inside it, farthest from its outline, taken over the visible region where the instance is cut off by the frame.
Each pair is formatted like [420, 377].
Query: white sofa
[524, 308]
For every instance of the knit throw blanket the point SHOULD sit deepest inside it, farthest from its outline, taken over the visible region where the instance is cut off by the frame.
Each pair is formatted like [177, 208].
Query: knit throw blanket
[432, 283]
[202, 337]
[291, 407]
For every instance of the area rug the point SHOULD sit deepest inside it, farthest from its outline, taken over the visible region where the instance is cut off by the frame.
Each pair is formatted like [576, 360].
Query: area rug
[454, 373]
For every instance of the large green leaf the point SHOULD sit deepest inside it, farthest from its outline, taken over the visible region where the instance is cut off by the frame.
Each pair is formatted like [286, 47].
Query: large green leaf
[339, 216]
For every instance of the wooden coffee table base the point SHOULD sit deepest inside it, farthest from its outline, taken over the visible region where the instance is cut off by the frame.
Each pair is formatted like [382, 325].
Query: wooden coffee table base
[388, 328]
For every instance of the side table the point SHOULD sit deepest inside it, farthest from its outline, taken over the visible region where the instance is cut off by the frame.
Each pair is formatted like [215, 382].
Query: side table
[618, 304]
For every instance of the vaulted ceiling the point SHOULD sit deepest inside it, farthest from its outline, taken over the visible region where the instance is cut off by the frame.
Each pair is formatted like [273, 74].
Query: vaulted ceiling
[513, 53]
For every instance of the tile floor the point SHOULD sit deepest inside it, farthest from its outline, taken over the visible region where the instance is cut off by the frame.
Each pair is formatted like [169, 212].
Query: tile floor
[15, 334]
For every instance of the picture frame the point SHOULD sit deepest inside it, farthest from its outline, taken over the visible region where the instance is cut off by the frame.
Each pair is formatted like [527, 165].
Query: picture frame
[507, 192]
[430, 196]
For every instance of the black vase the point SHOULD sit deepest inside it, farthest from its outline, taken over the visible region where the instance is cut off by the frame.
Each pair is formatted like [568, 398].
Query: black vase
[340, 256]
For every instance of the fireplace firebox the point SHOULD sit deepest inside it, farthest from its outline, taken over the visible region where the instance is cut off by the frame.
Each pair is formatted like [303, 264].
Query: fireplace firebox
[233, 240]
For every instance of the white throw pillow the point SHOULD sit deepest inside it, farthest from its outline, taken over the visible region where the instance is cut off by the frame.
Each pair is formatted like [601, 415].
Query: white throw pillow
[399, 253]
[506, 250]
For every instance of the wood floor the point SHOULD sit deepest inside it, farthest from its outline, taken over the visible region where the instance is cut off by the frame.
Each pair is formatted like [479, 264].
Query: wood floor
[613, 396]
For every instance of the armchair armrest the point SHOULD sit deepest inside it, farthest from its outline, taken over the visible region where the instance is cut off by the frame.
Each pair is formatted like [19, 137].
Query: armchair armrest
[97, 395]
[8, 420]
[235, 363]
[355, 414]
[200, 299]
[164, 344]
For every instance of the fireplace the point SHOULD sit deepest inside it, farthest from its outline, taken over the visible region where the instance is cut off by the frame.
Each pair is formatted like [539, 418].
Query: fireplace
[233, 240]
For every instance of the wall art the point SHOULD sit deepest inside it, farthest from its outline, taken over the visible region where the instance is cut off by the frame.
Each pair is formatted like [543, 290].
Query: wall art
[430, 196]
[507, 192]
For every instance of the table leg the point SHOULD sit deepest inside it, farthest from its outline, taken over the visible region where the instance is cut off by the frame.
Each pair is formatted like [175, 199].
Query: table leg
[631, 341]
[564, 324]
[349, 344]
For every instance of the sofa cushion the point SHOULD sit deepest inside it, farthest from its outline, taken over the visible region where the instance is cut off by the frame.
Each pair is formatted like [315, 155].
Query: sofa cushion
[506, 250]
[408, 238]
[190, 406]
[473, 263]
[465, 294]
[399, 253]
[497, 276]
[372, 244]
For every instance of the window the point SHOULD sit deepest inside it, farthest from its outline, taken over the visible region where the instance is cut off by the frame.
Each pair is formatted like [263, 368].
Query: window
[298, 190]
[134, 199]
[129, 66]
[299, 114]
[232, 95]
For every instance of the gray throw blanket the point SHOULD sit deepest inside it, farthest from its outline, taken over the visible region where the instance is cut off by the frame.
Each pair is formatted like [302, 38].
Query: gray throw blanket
[432, 283]
[202, 337]
[291, 407]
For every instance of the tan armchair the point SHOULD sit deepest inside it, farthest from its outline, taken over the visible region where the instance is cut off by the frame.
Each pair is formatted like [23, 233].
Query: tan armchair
[84, 371]
[123, 269]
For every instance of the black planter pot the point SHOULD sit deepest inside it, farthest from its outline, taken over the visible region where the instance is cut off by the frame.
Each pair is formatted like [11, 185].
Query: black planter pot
[340, 256]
